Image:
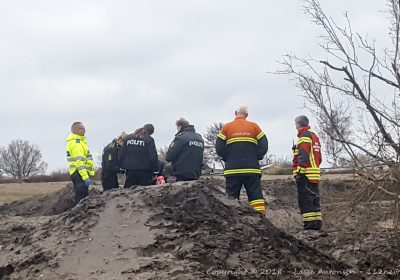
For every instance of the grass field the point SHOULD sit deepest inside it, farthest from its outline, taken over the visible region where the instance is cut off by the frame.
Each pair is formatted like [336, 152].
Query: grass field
[18, 191]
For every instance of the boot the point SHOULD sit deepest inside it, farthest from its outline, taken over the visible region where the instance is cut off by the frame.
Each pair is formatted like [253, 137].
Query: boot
[312, 225]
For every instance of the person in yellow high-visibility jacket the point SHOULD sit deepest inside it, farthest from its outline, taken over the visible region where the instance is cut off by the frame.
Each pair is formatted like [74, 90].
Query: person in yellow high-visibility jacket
[80, 160]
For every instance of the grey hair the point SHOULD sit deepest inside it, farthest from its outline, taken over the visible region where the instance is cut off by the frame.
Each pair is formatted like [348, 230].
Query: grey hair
[302, 121]
[74, 125]
[182, 122]
[242, 110]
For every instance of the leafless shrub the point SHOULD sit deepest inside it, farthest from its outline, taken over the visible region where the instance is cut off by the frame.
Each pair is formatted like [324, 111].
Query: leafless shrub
[55, 176]
[162, 152]
[20, 160]
[210, 137]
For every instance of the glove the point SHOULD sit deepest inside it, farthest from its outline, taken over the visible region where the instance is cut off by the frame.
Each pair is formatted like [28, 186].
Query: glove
[87, 182]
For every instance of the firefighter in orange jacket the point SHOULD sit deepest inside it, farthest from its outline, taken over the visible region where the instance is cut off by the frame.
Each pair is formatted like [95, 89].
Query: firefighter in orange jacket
[306, 161]
[241, 144]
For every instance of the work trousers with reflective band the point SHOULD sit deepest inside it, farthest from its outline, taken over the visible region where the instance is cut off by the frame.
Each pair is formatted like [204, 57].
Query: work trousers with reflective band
[312, 174]
[309, 199]
[80, 190]
[252, 184]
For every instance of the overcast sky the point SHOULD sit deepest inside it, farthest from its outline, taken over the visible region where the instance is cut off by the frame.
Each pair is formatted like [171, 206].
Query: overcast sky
[116, 65]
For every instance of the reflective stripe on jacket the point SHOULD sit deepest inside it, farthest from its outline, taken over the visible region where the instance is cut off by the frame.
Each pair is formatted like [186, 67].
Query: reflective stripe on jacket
[241, 144]
[79, 157]
[307, 155]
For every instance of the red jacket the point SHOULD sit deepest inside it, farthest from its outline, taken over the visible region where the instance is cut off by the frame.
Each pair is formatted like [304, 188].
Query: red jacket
[307, 155]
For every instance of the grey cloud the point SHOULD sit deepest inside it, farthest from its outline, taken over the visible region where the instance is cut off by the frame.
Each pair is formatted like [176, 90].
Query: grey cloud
[116, 65]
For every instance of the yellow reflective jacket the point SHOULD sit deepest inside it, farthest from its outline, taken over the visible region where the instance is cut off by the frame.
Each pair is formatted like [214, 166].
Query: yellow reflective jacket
[307, 155]
[79, 157]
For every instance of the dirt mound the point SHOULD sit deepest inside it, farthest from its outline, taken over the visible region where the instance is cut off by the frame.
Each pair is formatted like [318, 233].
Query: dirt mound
[189, 230]
[50, 204]
[31, 246]
[221, 237]
[359, 236]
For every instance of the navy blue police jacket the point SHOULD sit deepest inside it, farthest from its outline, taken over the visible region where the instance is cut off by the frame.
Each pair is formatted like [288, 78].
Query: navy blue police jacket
[186, 153]
[138, 153]
[109, 160]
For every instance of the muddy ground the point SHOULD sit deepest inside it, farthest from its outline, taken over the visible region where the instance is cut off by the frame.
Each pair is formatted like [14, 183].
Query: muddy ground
[192, 231]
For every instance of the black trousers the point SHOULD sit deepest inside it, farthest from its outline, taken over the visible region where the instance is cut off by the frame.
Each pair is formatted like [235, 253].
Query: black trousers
[252, 184]
[138, 178]
[109, 180]
[179, 179]
[80, 190]
[309, 202]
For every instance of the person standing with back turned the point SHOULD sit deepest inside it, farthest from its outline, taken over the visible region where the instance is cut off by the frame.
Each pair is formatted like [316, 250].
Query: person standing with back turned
[138, 156]
[110, 166]
[186, 152]
[80, 160]
[306, 160]
[241, 144]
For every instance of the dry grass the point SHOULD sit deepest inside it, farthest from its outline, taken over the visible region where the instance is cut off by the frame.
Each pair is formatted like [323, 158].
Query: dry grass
[18, 191]
[277, 170]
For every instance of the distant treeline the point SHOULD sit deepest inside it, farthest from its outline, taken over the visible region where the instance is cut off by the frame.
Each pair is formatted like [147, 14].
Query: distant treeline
[55, 176]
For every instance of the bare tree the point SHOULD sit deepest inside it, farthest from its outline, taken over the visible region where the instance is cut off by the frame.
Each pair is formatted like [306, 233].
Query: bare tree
[356, 81]
[21, 160]
[268, 159]
[210, 138]
[162, 152]
[273, 159]
[333, 150]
